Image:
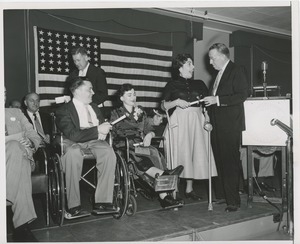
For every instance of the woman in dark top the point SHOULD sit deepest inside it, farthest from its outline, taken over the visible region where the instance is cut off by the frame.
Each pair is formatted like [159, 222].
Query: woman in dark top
[188, 139]
[137, 129]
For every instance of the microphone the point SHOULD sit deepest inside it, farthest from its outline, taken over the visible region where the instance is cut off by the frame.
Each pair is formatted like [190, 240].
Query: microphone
[264, 66]
[283, 126]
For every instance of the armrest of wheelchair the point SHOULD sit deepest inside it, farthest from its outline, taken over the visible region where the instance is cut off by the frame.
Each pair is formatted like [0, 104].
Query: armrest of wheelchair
[158, 138]
[40, 161]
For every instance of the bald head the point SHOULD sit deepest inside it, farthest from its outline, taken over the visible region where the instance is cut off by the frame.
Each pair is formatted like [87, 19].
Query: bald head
[32, 102]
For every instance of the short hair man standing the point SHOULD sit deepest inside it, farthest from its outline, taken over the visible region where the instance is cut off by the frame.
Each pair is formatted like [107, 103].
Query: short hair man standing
[83, 126]
[95, 75]
[226, 111]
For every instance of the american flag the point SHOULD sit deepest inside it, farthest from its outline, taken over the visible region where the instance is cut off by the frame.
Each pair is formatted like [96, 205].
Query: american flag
[146, 66]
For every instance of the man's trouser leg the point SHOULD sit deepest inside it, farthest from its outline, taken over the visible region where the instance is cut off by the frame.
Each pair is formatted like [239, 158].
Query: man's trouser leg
[72, 162]
[106, 163]
[18, 184]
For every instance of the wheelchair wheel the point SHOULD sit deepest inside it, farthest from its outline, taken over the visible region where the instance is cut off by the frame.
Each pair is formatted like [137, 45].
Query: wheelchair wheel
[122, 187]
[56, 190]
[132, 206]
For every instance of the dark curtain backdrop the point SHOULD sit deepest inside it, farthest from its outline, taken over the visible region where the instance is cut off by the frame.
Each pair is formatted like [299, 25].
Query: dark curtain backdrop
[251, 49]
[124, 24]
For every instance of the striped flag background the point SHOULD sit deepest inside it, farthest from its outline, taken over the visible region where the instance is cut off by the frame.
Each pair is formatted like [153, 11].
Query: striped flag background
[146, 66]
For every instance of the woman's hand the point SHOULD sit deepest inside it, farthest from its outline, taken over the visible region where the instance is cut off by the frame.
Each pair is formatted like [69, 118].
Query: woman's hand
[148, 138]
[182, 103]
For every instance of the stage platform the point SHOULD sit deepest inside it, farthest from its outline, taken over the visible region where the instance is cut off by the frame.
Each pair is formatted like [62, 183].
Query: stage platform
[192, 222]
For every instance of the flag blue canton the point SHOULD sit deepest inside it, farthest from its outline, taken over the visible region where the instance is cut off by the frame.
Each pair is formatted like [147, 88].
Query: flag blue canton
[54, 50]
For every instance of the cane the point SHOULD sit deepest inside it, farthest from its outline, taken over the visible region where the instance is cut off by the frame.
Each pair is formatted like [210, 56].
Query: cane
[208, 127]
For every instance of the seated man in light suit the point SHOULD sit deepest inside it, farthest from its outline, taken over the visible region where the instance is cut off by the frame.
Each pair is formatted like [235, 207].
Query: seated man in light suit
[41, 121]
[83, 126]
[21, 140]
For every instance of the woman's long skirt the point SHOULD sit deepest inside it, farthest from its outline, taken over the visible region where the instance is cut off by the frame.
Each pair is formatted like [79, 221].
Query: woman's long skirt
[189, 144]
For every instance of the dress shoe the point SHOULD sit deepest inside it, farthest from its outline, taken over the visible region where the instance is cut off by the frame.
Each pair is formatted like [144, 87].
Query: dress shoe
[268, 187]
[192, 195]
[76, 212]
[219, 201]
[176, 171]
[169, 202]
[231, 208]
[23, 234]
[102, 208]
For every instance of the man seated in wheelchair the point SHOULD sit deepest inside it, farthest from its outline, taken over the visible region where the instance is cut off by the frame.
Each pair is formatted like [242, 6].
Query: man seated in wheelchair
[139, 132]
[83, 127]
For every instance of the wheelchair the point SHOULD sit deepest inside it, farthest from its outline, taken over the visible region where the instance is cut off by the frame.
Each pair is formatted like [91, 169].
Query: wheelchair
[147, 186]
[57, 191]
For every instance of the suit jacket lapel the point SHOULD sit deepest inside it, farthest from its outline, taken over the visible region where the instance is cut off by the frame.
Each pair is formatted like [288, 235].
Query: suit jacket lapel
[225, 75]
[74, 114]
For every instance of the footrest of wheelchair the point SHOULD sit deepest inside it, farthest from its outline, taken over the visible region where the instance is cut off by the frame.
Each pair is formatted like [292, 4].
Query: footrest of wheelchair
[101, 212]
[180, 205]
[80, 215]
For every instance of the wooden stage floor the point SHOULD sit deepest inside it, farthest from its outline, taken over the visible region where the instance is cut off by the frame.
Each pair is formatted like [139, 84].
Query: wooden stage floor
[191, 222]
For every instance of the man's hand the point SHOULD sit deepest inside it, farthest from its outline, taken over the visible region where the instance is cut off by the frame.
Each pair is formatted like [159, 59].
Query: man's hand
[101, 137]
[104, 128]
[29, 149]
[148, 138]
[25, 142]
[47, 139]
[209, 100]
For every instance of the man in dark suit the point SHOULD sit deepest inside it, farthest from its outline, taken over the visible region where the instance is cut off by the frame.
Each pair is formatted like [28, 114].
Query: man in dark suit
[83, 126]
[41, 121]
[226, 111]
[21, 140]
[95, 75]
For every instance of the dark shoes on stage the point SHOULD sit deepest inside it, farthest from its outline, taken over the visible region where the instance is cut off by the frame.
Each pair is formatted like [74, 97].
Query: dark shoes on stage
[265, 187]
[170, 202]
[231, 208]
[192, 195]
[76, 212]
[176, 171]
[23, 234]
[219, 201]
[104, 208]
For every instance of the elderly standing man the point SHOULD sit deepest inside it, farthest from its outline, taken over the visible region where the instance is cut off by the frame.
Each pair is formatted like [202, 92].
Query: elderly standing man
[83, 126]
[94, 74]
[226, 111]
[21, 141]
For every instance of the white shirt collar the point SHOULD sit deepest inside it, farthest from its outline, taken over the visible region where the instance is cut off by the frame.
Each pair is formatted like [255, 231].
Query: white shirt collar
[224, 67]
[84, 71]
[81, 110]
[31, 114]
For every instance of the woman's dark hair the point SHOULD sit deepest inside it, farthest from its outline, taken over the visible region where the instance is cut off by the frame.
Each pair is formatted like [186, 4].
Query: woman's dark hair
[124, 88]
[177, 63]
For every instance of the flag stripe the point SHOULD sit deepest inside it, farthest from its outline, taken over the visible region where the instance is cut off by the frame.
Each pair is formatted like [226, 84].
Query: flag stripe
[145, 66]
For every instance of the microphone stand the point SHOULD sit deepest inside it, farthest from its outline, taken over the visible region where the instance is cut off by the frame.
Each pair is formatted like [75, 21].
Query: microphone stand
[289, 132]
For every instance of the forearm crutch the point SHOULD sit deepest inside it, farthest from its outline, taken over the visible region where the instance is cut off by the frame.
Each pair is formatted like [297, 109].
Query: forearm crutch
[208, 127]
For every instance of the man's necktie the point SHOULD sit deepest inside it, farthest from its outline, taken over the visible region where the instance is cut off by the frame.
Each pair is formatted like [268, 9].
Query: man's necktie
[216, 84]
[90, 121]
[38, 126]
